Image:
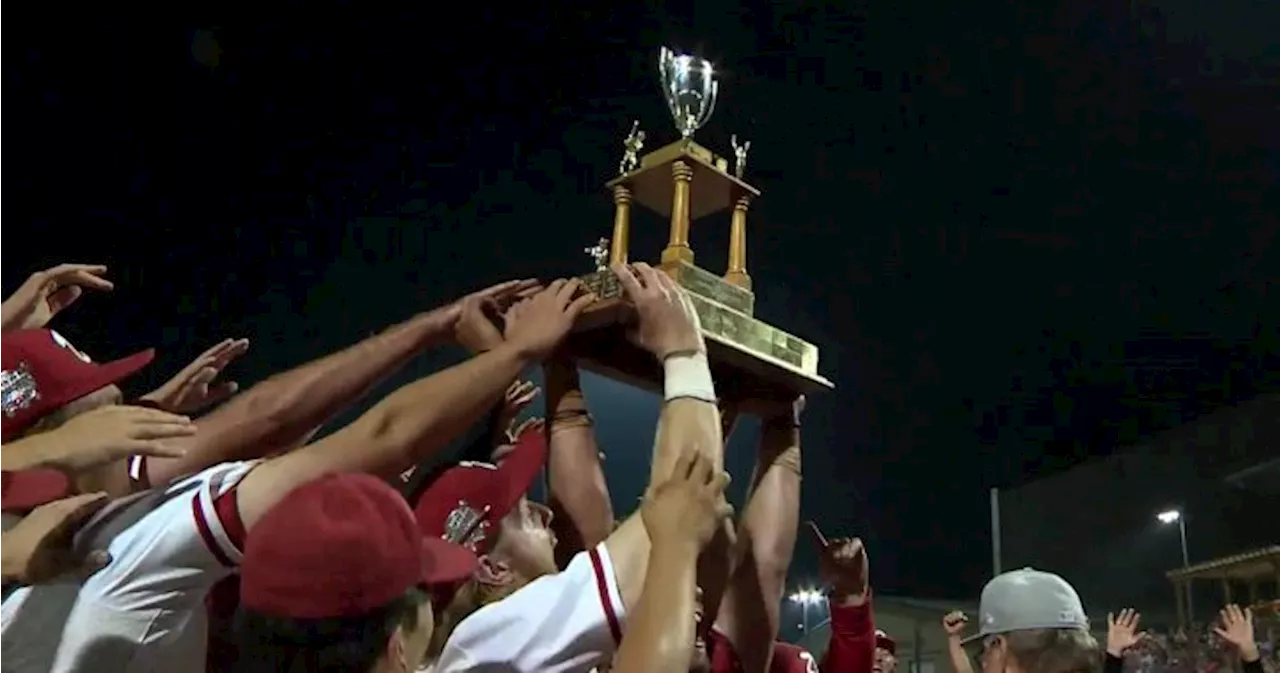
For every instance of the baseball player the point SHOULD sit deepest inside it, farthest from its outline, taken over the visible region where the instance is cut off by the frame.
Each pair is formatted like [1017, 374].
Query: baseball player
[336, 577]
[169, 545]
[516, 613]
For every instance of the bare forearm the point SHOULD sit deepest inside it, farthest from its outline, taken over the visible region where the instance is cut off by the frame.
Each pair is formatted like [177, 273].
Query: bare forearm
[277, 414]
[686, 422]
[579, 493]
[959, 658]
[772, 517]
[660, 631]
[406, 428]
[749, 615]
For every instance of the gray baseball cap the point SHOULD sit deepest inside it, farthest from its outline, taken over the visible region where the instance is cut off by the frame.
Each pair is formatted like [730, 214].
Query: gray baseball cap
[1021, 600]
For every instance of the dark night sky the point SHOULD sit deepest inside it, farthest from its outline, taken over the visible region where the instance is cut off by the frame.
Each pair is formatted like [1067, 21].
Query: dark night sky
[1022, 236]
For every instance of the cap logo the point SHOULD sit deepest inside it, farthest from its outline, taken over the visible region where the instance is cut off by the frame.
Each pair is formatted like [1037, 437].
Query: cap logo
[20, 389]
[465, 525]
[810, 666]
[63, 343]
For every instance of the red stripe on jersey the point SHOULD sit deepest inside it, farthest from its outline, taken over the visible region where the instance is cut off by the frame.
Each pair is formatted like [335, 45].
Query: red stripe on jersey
[602, 586]
[228, 513]
[206, 534]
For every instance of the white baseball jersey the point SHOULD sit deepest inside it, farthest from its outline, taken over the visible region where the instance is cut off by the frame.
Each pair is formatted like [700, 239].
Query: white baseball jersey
[143, 613]
[569, 622]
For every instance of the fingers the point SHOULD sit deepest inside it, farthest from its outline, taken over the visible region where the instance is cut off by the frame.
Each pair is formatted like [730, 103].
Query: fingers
[630, 284]
[580, 304]
[684, 465]
[147, 415]
[63, 297]
[511, 287]
[568, 291]
[84, 275]
[71, 512]
[94, 561]
[817, 534]
[150, 431]
[700, 471]
[649, 278]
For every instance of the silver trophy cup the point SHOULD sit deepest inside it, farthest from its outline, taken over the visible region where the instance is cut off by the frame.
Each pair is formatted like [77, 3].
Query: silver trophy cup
[689, 85]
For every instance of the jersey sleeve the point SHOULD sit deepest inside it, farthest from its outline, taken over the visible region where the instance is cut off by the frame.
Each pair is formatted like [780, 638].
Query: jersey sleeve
[569, 621]
[172, 551]
[852, 648]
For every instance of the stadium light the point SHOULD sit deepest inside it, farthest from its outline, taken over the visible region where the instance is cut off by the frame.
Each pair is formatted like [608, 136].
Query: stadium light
[1169, 516]
[806, 597]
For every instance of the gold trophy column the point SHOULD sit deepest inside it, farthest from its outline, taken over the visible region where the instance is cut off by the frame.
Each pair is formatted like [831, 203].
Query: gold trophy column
[737, 273]
[678, 249]
[621, 225]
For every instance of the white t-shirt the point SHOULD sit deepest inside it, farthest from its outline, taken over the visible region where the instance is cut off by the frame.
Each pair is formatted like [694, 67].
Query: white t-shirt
[569, 622]
[143, 613]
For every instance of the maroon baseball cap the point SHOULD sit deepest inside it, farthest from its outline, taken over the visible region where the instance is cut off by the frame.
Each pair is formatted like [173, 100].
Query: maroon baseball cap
[43, 372]
[27, 489]
[465, 502]
[342, 546]
[886, 642]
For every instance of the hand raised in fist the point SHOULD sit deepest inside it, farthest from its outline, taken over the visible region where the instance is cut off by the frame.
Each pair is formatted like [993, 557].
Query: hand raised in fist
[668, 323]
[46, 293]
[953, 623]
[101, 436]
[545, 319]
[193, 388]
[689, 507]
[842, 564]
[39, 548]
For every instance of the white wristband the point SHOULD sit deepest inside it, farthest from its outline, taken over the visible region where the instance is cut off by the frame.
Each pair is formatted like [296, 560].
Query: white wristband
[687, 376]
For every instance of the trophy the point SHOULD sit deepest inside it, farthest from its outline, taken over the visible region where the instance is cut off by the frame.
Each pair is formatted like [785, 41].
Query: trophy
[685, 181]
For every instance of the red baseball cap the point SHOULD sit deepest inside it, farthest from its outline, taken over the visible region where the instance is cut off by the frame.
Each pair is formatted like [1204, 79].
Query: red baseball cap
[43, 372]
[885, 642]
[465, 502]
[342, 546]
[27, 489]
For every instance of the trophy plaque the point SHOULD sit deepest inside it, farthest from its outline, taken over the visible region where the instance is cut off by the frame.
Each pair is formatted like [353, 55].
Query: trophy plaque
[686, 182]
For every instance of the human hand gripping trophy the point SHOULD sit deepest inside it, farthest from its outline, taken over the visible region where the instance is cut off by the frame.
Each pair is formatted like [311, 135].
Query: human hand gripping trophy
[685, 181]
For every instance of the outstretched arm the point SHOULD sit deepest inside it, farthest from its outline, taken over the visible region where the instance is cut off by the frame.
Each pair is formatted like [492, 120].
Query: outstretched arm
[418, 419]
[690, 419]
[579, 494]
[748, 617]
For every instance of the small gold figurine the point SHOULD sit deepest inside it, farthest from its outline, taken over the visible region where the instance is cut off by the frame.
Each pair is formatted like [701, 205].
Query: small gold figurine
[599, 254]
[740, 155]
[634, 143]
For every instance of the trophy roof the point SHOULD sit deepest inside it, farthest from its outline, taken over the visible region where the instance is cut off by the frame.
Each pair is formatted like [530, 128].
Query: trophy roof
[713, 189]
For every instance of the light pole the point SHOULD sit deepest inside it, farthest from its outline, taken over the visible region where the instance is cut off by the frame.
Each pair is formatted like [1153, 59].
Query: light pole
[1175, 516]
[806, 598]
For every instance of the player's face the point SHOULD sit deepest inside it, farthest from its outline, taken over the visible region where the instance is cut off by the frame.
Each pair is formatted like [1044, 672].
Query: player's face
[416, 640]
[526, 540]
[884, 662]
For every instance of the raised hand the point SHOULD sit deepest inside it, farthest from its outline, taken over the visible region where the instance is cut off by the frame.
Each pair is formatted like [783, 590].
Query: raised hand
[842, 564]
[519, 395]
[105, 435]
[689, 507]
[668, 323]
[193, 388]
[498, 296]
[953, 623]
[39, 547]
[543, 320]
[46, 293]
[477, 328]
[1237, 628]
[1122, 631]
